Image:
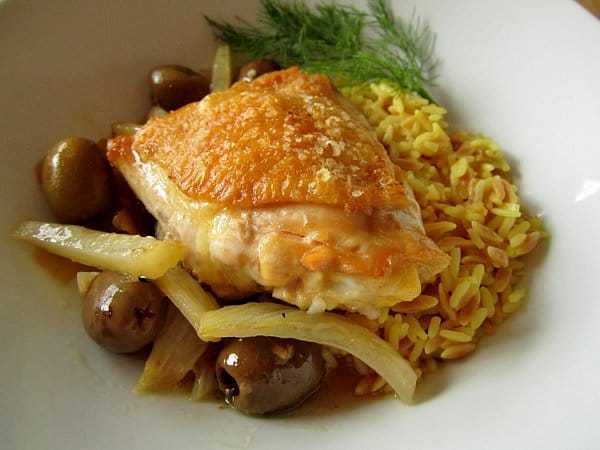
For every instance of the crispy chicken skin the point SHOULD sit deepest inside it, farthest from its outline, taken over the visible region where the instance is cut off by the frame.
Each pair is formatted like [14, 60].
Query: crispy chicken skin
[279, 185]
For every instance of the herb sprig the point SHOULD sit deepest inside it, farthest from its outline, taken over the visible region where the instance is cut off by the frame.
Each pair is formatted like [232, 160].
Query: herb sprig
[340, 40]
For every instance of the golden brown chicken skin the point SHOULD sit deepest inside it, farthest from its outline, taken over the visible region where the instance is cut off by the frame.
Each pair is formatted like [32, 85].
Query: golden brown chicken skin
[279, 185]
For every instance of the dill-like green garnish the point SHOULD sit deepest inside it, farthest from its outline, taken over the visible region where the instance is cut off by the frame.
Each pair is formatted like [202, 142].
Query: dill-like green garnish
[340, 40]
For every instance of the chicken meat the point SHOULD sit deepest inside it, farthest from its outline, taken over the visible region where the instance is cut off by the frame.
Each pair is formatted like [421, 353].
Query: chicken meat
[279, 185]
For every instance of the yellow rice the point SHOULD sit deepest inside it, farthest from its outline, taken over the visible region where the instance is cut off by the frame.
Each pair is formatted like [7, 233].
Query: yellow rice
[471, 209]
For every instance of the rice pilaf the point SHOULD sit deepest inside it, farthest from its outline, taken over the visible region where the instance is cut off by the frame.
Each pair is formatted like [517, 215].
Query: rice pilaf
[471, 209]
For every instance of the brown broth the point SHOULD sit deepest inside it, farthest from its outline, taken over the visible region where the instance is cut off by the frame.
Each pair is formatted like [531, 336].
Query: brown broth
[336, 395]
[61, 269]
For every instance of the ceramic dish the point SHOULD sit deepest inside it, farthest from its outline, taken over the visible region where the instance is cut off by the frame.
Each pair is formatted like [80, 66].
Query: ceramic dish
[524, 73]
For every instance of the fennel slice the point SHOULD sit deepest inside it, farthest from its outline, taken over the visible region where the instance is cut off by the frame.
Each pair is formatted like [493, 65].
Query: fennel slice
[174, 353]
[135, 255]
[270, 319]
[178, 347]
[222, 69]
[187, 295]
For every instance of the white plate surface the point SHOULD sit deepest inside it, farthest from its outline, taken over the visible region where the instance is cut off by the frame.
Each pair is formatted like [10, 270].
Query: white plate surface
[526, 73]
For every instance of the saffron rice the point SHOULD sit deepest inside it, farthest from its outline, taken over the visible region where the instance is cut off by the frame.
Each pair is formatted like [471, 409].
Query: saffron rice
[471, 209]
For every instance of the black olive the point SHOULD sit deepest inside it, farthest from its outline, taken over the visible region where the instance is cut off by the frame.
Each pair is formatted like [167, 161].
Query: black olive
[76, 180]
[174, 86]
[262, 375]
[253, 69]
[121, 313]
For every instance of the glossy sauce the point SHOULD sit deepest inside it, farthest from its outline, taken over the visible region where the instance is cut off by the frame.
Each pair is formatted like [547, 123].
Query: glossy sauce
[61, 269]
[336, 395]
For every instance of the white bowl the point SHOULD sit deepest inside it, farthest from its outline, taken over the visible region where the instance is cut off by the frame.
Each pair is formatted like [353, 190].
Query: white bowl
[526, 74]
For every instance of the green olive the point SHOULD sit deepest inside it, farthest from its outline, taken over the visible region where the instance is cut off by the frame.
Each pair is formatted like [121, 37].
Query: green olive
[76, 180]
[263, 375]
[253, 69]
[121, 313]
[174, 86]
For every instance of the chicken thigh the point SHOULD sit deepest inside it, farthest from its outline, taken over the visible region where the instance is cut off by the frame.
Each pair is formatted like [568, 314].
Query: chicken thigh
[279, 185]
